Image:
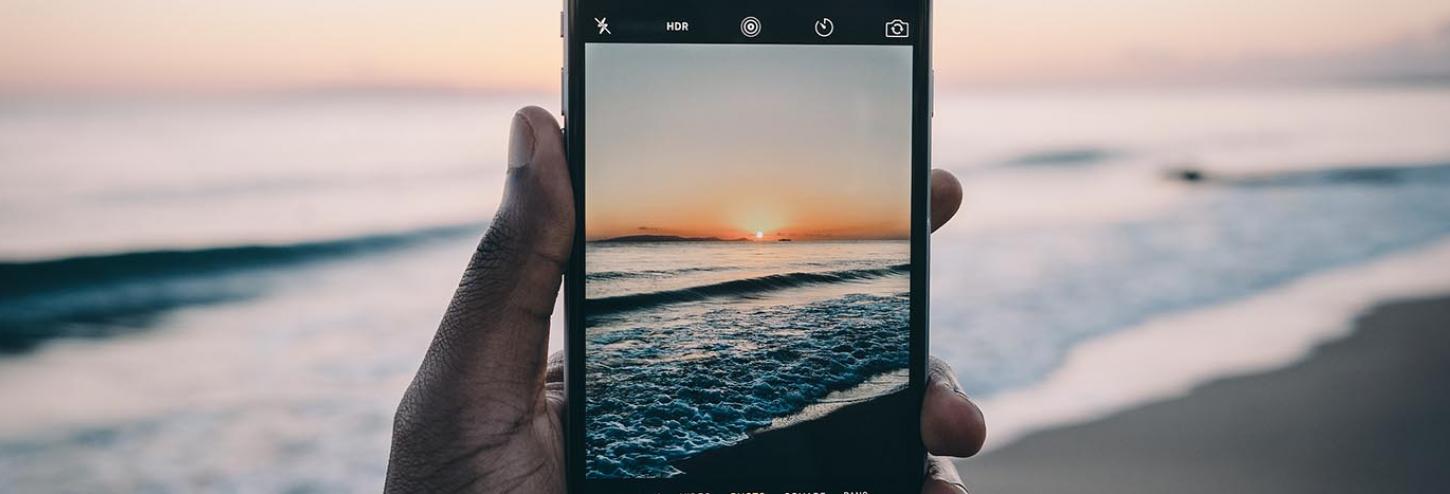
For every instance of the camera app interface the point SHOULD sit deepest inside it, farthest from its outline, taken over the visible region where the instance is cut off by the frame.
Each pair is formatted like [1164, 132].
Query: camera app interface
[747, 275]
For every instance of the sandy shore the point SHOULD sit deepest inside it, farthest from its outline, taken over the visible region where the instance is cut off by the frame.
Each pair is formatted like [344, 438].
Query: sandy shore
[830, 446]
[1369, 413]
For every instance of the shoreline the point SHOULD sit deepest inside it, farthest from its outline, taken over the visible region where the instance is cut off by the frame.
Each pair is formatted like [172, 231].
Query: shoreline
[829, 446]
[877, 386]
[1361, 414]
[1167, 357]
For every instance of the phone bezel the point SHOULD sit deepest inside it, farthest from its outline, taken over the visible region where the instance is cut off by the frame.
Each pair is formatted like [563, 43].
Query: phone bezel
[574, 108]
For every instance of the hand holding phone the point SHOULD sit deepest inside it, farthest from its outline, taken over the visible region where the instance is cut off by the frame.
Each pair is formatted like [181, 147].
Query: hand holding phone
[747, 294]
[485, 412]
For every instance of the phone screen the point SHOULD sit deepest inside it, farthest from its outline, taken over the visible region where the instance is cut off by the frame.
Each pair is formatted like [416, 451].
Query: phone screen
[747, 262]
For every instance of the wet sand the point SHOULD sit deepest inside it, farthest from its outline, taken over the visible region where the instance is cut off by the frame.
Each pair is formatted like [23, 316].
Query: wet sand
[831, 446]
[1369, 413]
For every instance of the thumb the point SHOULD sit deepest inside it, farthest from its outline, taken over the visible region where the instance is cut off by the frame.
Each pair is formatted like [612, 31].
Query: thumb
[496, 330]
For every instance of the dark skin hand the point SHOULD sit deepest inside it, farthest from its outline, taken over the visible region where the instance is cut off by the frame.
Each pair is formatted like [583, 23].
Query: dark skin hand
[485, 412]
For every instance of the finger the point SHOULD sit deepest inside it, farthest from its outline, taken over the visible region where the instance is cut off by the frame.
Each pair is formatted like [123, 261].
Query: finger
[554, 392]
[946, 197]
[555, 372]
[942, 477]
[951, 425]
[497, 327]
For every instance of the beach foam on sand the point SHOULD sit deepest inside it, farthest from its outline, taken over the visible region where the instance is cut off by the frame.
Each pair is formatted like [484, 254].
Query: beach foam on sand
[1362, 414]
[1166, 358]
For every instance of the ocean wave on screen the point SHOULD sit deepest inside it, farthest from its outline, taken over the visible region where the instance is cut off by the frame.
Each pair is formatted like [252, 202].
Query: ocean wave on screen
[744, 287]
[108, 294]
[708, 382]
[653, 273]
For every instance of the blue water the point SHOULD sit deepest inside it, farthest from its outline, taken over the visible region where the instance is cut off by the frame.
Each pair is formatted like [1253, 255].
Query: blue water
[671, 373]
[253, 337]
[1033, 293]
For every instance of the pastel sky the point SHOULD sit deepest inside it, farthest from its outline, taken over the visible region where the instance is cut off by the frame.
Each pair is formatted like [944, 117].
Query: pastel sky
[210, 45]
[711, 140]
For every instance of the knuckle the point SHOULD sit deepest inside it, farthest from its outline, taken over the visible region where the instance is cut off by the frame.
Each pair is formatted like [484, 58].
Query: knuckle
[938, 371]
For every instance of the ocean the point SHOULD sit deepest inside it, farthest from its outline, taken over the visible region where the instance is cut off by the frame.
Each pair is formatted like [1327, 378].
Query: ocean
[693, 345]
[230, 295]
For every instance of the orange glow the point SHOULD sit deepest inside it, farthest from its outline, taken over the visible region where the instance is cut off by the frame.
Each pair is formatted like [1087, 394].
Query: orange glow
[514, 45]
[675, 145]
[817, 219]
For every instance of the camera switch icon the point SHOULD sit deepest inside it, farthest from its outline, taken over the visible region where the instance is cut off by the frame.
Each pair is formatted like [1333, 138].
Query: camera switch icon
[898, 28]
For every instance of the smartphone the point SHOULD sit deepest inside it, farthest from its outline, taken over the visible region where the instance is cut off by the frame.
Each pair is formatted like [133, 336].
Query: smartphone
[747, 295]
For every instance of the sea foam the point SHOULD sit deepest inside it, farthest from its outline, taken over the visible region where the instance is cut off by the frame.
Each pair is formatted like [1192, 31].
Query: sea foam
[1169, 356]
[663, 388]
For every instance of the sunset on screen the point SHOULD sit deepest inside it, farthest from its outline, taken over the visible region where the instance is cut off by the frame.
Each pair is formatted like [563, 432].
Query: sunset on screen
[713, 147]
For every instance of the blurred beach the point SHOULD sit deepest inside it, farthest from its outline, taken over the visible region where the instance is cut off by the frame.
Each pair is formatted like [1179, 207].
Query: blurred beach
[230, 294]
[1361, 414]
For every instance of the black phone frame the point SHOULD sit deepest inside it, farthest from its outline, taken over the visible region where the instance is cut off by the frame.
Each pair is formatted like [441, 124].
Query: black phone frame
[857, 22]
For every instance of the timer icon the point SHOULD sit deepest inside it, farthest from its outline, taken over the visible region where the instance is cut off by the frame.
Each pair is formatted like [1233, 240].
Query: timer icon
[824, 27]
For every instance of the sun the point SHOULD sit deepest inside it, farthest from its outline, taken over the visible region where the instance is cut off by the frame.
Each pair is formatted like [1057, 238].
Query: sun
[759, 235]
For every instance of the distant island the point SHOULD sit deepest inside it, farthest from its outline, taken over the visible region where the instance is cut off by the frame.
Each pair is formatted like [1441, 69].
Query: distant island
[667, 238]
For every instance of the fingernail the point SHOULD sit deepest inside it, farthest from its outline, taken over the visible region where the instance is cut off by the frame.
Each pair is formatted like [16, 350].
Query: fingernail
[521, 142]
[956, 389]
[960, 487]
